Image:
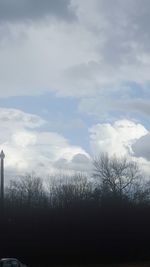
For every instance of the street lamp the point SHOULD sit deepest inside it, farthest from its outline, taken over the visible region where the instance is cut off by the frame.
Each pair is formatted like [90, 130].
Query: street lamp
[2, 156]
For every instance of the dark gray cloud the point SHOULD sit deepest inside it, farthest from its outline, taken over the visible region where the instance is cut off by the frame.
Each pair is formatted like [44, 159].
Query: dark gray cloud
[109, 104]
[141, 106]
[20, 10]
[79, 162]
[126, 29]
[142, 147]
[106, 49]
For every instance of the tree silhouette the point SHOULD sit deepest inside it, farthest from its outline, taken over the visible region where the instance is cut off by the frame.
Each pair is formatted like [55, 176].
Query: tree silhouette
[116, 175]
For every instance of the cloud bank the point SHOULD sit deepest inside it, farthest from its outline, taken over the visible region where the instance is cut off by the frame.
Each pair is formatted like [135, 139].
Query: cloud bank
[29, 149]
[20, 10]
[84, 58]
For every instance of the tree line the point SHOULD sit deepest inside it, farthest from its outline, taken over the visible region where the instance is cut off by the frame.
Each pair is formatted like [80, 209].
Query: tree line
[116, 178]
[77, 218]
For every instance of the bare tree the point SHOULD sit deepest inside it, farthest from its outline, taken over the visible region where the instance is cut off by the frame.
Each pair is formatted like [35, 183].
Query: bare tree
[116, 175]
[28, 189]
[141, 193]
[68, 189]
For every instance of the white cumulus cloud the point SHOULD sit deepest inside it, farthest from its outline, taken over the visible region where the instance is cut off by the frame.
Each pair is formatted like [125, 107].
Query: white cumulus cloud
[117, 138]
[27, 149]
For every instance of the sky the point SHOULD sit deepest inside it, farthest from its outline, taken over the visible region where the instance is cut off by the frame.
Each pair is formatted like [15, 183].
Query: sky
[74, 83]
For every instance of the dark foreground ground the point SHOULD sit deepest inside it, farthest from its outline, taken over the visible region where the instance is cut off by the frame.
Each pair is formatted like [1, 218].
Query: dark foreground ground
[82, 234]
[142, 264]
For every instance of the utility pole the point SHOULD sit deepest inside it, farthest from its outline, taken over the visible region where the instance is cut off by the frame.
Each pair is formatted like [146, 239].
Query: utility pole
[2, 156]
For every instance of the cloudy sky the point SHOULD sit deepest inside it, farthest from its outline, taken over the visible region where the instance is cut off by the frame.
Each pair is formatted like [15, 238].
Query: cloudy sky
[74, 82]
